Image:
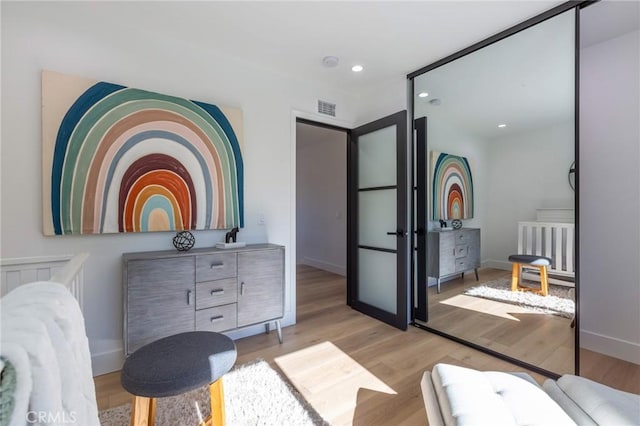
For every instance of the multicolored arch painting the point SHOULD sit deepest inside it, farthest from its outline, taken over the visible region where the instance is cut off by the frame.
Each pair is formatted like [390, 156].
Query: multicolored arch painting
[118, 159]
[451, 187]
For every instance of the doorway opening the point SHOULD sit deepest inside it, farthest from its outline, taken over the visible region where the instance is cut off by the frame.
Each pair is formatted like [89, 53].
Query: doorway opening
[321, 203]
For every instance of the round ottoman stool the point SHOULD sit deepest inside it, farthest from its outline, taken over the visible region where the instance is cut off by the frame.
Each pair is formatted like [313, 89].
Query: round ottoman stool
[175, 365]
[533, 261]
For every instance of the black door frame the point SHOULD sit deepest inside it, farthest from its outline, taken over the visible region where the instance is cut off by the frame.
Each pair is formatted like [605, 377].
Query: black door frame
[401, 318]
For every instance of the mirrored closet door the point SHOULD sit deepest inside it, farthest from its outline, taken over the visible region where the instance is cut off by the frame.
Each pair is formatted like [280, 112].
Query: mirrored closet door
[494, 143]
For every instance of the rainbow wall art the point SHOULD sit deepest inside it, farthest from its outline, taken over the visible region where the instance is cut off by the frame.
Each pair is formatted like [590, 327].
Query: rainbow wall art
[451, 187]
[118, 159]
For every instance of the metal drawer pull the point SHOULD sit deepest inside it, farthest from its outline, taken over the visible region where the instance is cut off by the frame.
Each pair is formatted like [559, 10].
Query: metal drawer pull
[188, 297]
[217, 291]
[242, 288]
[217, 318]
[217, 265]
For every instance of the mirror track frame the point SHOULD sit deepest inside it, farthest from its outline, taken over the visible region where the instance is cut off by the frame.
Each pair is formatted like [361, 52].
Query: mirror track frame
[564, 7]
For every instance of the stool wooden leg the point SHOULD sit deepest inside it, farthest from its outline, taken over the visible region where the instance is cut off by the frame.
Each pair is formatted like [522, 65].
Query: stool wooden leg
[143, 411]
[544, 281]
[515, 275]
[216, 394]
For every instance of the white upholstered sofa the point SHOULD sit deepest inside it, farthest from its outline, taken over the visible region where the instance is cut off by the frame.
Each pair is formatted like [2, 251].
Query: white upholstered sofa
[456, 395]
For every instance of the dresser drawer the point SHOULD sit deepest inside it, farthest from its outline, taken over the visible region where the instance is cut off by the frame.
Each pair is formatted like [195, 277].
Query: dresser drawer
[464, 264]
[220, 318]
[461, 251]
[216, 293]
[460, 237]
[216, 266]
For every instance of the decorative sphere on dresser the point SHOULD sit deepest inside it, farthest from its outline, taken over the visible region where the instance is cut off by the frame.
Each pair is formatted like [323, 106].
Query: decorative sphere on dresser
[184, 240]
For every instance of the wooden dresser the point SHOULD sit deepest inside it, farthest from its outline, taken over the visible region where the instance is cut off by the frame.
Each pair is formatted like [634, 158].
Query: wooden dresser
[452, 252]
[170, 292]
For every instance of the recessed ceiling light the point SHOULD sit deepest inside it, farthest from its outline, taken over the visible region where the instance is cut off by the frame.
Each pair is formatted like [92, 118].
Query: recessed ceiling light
[502, 125]
[330, 61]
[423, 94]
[357, 68]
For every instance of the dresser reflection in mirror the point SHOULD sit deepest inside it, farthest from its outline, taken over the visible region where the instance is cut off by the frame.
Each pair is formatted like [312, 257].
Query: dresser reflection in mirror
[453, 252]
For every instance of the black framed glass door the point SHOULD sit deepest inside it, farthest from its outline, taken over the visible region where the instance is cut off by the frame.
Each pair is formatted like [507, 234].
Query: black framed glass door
[378, 236]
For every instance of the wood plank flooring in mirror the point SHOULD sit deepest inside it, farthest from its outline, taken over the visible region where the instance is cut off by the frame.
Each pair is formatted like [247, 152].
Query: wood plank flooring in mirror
[544, 340]
[357, 370]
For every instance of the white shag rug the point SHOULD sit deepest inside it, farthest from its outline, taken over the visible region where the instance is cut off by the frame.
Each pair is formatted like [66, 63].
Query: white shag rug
[558, 302]
[254, 394]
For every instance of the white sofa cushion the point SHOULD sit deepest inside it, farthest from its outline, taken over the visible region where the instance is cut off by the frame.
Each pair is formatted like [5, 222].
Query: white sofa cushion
[605, 405]
[471, 397]
[567, 404]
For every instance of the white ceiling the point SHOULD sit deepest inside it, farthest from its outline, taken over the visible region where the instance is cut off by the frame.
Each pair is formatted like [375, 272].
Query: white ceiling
[389, 38]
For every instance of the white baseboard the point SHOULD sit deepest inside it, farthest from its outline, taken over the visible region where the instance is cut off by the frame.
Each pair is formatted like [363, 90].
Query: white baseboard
[106, 356]
[496, 264]
[326, 266]
[617, 348]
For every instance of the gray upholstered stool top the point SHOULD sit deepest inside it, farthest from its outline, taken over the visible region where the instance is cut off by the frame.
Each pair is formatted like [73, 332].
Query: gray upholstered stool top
[178, 364]
[530, 259]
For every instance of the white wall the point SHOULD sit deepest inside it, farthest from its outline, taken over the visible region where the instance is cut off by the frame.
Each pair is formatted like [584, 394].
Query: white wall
[609, 181]
[525, 172]
[321, 198]
[34, 38]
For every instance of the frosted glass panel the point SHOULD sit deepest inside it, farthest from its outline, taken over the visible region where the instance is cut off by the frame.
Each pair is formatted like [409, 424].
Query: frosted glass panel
[377, 216]
[377, 279]
[377, 158]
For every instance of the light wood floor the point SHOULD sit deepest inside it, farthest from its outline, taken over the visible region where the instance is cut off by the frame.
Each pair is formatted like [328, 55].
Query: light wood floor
[357, 370]
[544, 340]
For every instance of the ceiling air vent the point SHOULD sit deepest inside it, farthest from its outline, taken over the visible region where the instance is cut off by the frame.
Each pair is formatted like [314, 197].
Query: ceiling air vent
[327, 108]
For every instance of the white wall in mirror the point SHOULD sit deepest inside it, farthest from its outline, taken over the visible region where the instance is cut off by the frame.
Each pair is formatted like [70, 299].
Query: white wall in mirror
[539, 159]
[445, 136]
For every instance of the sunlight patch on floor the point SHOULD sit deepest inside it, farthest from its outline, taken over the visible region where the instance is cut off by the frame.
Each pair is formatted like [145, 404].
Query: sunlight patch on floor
[489, 307]
[329, 380]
